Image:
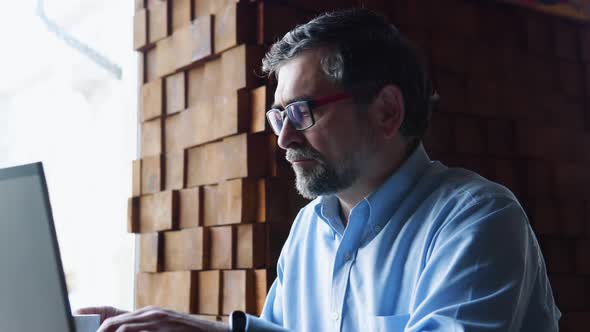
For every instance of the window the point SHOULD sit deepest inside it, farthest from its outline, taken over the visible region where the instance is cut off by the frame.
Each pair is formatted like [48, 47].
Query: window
[63, 102]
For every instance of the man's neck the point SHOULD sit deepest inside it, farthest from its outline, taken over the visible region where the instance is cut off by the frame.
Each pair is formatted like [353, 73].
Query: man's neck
[369, 181]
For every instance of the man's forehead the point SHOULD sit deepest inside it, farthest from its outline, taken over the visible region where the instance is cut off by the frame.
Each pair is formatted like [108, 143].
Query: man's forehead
[301, 76]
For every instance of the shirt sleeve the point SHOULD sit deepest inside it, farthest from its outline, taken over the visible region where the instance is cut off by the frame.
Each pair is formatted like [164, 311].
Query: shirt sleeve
[480, 273]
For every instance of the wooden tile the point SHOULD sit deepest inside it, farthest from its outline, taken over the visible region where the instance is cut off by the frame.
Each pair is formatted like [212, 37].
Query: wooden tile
[136, 178]
[150, 4]
[211, 318]
[140, 29]
[194, 42]
[151, 138]
[197, 248]
[174, 170]
[196, 88]
[235, 23]
[246, 155]
[141, 75]
[251, 246]
[165, 57]
[152, 100]
[237, 201]
[151, 66]
[175, 93]
[150, 252]
[239, 64]
[199, 121]
[176, 128]
[210, 205]
[271, 203]
[139, 5]
[158, 212]
[185, 47]
[133, 215]
[209, 7]
[186, 249]
[158, 21]
[171, 290]
[191, 201]
[209, 290]
[152, 174]
[181, 13]
[222, 241]
[238, 291]
[231, 114]
[174, 251]
[259, 105]
[205, 83]
[205, 164]
[212, 81]
[262, 282]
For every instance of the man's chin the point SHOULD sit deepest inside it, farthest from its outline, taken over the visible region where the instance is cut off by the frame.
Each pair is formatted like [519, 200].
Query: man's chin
[306, 193]
[304, 185]
[305, 165]
[306, 169]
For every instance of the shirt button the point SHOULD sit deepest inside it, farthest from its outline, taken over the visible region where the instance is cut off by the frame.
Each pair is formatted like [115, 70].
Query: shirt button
[335, 315]
[347, 256]
[377, 229]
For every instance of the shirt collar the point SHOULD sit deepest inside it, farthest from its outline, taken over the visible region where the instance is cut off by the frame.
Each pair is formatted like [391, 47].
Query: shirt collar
[384, 200]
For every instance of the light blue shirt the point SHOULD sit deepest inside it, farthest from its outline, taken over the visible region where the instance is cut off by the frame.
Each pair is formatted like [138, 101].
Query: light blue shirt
[433, 249]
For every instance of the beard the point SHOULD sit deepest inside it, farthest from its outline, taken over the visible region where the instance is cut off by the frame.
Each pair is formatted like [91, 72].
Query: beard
[326, 177]
[323, 177]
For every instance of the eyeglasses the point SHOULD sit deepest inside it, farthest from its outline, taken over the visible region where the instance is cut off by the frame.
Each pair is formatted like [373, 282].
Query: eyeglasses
[300, 112]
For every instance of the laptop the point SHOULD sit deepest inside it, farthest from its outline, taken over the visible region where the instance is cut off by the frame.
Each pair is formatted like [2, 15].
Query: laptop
[33, 294]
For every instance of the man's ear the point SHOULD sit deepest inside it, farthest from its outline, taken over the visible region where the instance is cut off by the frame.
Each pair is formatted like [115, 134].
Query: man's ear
[388, 111]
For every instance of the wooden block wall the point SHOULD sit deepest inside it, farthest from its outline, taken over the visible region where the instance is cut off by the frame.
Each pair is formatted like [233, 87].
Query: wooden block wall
[514, 87]
[515, 93]
[209, 190]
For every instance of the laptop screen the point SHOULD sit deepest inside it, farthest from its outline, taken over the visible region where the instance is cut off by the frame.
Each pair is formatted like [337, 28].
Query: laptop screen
[32, 287]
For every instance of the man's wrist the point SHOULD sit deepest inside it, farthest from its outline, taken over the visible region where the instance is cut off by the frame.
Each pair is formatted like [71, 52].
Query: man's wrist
[237, 321]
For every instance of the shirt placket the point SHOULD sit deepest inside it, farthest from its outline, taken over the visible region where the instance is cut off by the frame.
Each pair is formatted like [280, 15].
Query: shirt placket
[345, 256]
[341, 277]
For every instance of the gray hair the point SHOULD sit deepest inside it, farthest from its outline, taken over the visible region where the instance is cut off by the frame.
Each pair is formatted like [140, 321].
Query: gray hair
[365, 53]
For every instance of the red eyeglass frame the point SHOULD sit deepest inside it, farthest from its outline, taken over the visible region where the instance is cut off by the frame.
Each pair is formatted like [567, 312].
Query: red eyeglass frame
[311, 104]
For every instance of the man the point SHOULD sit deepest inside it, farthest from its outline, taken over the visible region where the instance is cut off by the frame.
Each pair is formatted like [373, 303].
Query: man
[391, 241]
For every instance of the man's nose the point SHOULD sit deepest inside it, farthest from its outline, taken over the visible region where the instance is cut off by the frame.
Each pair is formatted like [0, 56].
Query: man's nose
[289, 135]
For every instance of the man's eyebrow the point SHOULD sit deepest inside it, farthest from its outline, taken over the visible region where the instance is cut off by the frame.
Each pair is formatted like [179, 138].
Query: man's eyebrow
[292, 100]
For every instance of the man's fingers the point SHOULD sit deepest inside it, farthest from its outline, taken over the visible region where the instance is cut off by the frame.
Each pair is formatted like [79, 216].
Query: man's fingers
[137, 327]
[149, 314]
[88, 311]
[104, 312]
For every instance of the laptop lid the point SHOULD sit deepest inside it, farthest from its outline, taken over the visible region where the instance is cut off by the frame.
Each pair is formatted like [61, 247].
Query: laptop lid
[33, 294]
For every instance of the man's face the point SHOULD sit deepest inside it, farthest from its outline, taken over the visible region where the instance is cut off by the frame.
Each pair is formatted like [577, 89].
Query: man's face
[328, 157]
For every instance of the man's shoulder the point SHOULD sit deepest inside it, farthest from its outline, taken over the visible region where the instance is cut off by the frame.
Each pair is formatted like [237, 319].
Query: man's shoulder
[459, 184]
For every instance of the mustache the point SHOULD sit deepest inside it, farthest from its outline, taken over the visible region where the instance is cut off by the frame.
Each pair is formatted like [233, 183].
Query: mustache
[303, 153]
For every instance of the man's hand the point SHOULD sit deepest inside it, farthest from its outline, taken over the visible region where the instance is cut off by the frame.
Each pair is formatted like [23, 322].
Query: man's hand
[104, 312]
[155, 319]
